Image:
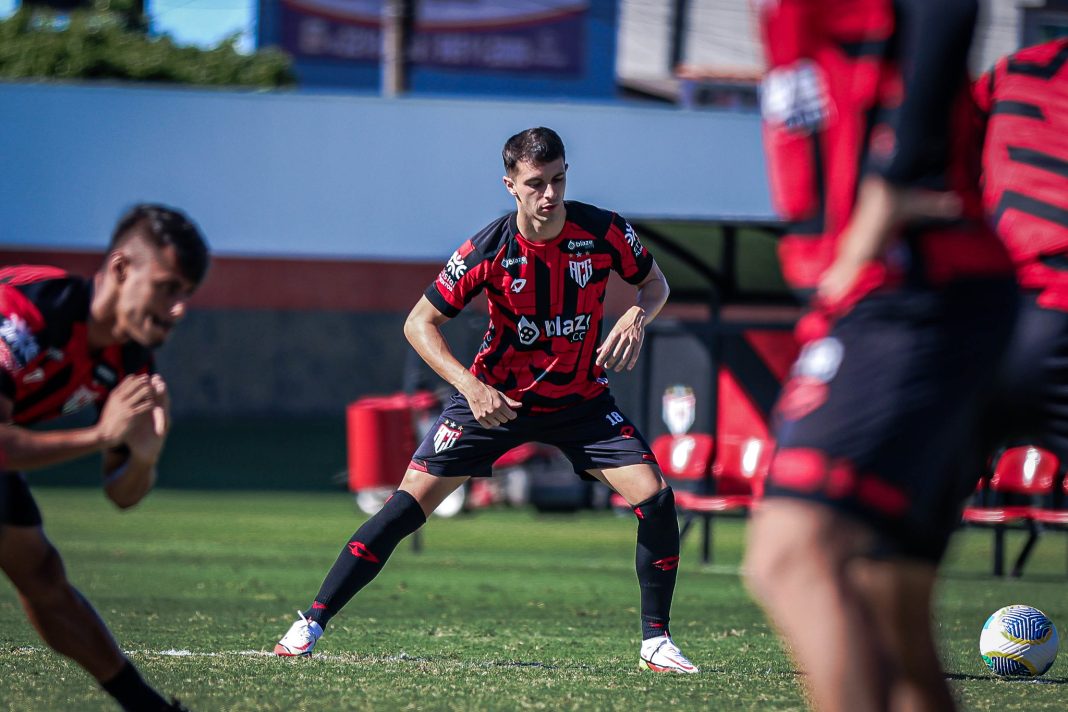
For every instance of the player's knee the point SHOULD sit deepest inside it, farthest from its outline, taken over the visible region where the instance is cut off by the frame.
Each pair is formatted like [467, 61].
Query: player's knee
[659, 506]
[778, 562]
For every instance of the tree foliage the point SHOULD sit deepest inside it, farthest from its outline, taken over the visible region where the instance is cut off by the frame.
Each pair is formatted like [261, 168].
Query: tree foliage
[108, 42]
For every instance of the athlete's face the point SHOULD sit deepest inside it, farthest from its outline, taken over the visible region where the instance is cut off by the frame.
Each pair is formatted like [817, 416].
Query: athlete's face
[152, 292]
[539, 188]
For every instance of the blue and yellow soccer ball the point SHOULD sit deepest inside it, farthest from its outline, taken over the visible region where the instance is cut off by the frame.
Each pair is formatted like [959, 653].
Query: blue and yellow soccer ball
[1019, 641]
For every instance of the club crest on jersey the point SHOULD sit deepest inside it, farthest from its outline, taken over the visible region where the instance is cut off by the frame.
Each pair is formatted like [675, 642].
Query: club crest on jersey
[633, 241]
[447, 435]
[518, 284]
[581, 271]
[21, 346]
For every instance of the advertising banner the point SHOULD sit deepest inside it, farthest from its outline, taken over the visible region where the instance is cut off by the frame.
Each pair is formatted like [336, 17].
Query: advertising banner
[547, 36]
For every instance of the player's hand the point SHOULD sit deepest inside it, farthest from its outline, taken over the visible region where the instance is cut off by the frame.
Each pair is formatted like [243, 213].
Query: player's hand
[837, 281]
[489, 406]
[149, 431]
[132, 398]
[624, 342]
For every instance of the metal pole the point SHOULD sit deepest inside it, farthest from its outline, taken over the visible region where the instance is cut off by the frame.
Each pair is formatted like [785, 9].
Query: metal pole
[397, 17]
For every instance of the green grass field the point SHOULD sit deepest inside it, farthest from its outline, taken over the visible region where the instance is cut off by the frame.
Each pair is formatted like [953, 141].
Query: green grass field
[502, 610]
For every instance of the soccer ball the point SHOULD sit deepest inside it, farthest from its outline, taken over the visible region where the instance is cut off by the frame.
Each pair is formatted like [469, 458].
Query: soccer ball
[1018, 641]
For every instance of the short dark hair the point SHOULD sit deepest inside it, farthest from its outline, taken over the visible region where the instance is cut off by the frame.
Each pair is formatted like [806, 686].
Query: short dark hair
[164, 226]
[538, 146]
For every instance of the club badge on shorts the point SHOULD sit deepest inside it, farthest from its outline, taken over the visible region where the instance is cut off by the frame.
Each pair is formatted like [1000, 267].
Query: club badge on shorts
[447, 435]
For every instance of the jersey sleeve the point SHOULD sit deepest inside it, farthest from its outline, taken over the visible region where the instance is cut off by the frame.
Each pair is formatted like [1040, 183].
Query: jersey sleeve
[787, 30]
[934, 39]
[460, 280]
[20, 325]
[629, 256]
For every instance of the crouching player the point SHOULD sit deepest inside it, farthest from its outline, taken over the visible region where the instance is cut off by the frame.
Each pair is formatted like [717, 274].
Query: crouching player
[539, 375]
[68, 343]
[870, 136]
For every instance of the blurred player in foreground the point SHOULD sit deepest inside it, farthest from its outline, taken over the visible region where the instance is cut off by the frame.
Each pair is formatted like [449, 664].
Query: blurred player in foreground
[67, 343]
[539, 375]
[870, 137]
[1024, 107]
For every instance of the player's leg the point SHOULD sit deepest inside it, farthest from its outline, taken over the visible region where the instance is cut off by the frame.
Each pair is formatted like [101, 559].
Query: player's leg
[656, 560]
[601, 442]
[365, 555]
[456, 448]
[797, 566]
[901, 592]
[366, 552]
[66, 621]
[656, 557]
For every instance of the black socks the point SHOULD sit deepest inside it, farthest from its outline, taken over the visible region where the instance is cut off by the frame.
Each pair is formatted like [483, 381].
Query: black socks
[657, 560]
[366, 553]
[132, 693]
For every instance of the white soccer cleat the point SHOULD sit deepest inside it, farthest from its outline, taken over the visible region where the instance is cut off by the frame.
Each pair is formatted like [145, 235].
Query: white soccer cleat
[660, 654]
[300, 640]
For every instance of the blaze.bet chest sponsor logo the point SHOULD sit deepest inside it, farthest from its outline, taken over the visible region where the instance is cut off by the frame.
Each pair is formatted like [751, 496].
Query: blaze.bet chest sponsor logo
[574, 329]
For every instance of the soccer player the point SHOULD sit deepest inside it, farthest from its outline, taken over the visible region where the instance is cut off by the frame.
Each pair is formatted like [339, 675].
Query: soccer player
[539, 375]
[1024, 106]
[870, 139]
[68, 343]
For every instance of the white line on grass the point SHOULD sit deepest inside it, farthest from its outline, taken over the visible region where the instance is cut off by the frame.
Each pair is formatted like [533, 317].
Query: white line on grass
[362, 660]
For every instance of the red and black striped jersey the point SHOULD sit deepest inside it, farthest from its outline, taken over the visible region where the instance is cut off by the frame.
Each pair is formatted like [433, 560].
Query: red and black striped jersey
[545, 302]
[1024, 104]
[841, 100]
[46, 367]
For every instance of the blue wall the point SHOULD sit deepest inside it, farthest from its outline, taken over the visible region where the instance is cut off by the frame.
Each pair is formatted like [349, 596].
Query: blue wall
[312, 175]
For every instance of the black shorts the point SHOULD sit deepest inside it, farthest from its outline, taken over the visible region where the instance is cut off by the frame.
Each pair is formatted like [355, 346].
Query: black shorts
[1030, 400]
[879, 419]
[17, 506]
[593, 436]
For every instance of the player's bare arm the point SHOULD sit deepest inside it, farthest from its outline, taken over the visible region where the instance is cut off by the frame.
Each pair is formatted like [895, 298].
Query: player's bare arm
[624, 342]
[423, 331]
[30, 449]
[881, 208]
[130, 470]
